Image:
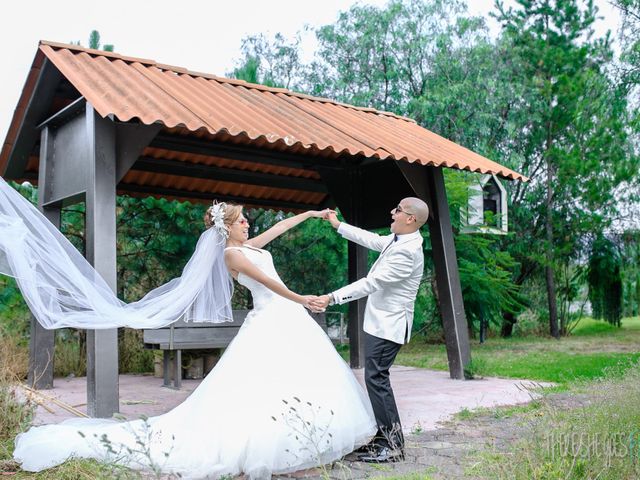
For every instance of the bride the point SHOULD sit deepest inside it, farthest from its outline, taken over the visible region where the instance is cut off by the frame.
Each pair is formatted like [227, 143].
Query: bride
[279, 400]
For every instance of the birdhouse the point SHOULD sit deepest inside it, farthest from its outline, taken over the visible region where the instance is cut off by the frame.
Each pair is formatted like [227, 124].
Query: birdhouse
[486, 209]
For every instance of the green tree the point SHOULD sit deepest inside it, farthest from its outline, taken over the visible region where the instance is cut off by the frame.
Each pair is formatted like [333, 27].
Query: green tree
[381, 57]
[605, 281]
[628, 244]
[272, 62]
[94, 42]
[248, 71]
[629, 36]
[155, 239]
[574, 145]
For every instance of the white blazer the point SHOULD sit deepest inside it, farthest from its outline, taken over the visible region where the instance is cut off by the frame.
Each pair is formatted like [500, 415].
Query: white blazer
[391, 284]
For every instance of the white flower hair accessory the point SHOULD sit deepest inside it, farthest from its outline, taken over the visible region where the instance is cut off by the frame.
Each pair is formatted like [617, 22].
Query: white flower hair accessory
[216, 213]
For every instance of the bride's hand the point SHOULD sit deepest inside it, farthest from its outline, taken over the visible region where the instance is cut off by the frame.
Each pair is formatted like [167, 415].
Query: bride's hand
[320, 213]
[310, 302]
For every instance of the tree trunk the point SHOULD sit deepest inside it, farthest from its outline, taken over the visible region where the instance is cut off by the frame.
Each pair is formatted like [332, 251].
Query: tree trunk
[483, 329]
[508, 321]
[549, 273]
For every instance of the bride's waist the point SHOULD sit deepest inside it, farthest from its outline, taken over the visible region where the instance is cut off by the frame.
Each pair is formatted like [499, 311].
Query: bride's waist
[273, 301]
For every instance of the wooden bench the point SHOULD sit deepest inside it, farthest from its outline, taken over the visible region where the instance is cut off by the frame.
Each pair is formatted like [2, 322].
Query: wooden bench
[196, 336]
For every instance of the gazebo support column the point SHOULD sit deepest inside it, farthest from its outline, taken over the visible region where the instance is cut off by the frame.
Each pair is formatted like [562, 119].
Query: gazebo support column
[41, 340]
[357, 268]
[102, 345]
[447, 275]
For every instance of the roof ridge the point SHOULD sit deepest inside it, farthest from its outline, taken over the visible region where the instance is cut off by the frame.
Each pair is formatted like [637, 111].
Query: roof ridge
[209, 76]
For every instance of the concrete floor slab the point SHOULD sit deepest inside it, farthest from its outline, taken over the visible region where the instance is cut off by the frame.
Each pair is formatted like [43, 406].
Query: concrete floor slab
[424, 397]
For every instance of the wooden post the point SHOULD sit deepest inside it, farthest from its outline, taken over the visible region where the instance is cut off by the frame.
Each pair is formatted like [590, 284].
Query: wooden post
[357, 270]
[102, 345]
[357, 265]
[447, 275]
[41, 340]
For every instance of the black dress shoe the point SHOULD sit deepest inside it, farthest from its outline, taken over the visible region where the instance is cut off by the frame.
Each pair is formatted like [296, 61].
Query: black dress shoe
[382, 455]
[368, 448]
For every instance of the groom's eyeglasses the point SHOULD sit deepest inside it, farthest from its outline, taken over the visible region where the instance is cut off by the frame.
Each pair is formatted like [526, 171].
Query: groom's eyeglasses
[399, 209]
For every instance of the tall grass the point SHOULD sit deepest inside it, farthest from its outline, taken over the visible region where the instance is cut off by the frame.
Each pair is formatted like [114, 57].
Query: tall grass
[69, 354]
[15, 414]
[133, 358]
[600, 439]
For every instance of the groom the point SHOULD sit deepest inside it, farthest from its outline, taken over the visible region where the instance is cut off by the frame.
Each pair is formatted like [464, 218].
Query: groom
[392, 285]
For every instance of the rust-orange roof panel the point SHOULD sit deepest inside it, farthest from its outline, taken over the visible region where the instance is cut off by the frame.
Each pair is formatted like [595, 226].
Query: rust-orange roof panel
[239, 112]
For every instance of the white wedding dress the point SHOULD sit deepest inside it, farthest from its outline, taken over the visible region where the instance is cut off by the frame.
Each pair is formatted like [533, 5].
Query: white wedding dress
[280, 399]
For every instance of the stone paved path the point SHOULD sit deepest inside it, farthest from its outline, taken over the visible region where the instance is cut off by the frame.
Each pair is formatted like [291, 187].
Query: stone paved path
[424, 397]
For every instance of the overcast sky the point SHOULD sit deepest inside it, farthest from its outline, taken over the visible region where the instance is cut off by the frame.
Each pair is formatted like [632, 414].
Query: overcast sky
[201, 35]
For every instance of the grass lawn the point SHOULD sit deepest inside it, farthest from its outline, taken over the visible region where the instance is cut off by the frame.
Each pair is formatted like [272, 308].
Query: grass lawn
[593, 348]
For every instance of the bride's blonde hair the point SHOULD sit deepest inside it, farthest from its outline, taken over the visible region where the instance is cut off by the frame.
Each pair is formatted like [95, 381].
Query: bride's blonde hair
[231, 213]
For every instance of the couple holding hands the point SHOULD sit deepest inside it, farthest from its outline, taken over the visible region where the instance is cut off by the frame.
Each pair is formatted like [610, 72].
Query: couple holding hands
[280, 398]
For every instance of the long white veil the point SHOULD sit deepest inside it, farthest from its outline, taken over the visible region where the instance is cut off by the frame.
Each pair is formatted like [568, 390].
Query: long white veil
[63, 290]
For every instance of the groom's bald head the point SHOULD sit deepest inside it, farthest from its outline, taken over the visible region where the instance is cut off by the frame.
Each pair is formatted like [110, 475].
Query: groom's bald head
[418, 208]
[410, 214]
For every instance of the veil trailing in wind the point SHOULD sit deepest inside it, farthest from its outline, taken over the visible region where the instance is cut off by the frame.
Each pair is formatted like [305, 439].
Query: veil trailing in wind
[63, 290]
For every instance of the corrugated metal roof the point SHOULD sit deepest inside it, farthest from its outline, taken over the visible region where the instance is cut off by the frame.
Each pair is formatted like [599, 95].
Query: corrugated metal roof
[235, 111]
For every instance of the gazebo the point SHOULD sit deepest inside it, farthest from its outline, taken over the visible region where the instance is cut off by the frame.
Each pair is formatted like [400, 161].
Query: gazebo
[91, 124]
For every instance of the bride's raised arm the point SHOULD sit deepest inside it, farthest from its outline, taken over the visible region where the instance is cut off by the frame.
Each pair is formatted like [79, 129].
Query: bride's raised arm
[284, 225]
[237, 263]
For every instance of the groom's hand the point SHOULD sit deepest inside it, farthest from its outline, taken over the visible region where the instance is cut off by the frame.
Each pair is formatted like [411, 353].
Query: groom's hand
[320, 213]
[309, 301]
[320, 303]
[332, 218]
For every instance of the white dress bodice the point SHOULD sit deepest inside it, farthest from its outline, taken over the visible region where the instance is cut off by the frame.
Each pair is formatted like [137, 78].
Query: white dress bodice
[262, 296]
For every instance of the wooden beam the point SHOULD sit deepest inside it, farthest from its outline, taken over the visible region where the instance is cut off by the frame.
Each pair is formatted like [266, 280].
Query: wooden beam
[223, 174]
[131, 139]
[249, 154]
[174, 192]
[74, 109]
[447, 275]
[37, 108]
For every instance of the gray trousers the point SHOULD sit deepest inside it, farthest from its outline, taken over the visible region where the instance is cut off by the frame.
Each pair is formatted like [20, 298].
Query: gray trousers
[379, 356]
